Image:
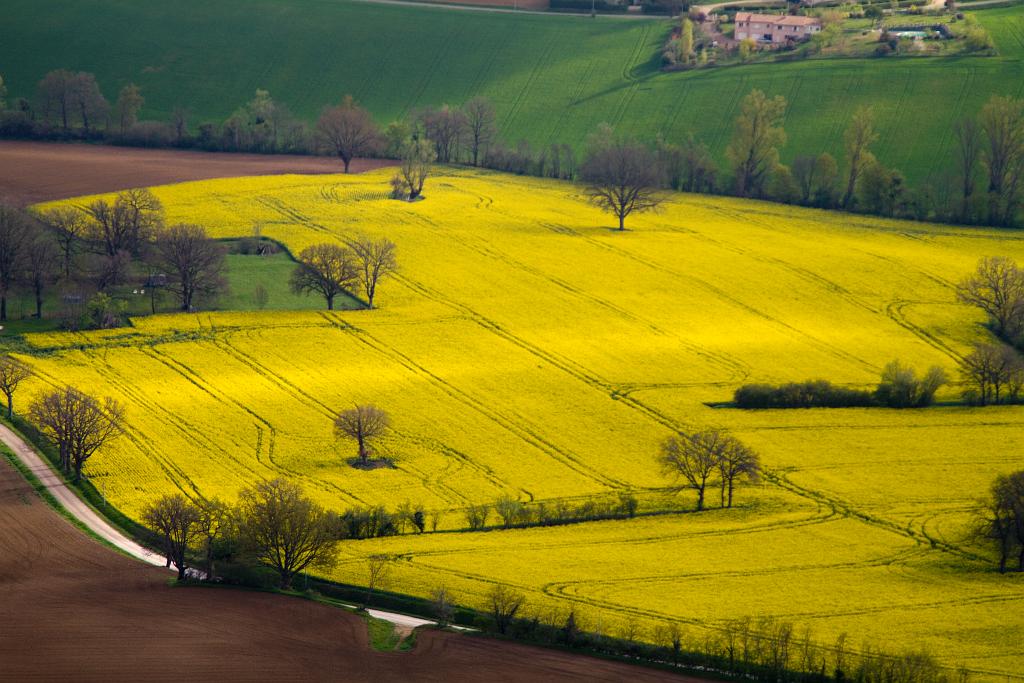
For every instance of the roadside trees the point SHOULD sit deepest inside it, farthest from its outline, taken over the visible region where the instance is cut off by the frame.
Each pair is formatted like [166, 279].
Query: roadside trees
[622, 176]
[754, 148]
[363, 424]
[77, 423]
[325, 269]
[376, 260]
[504, 604]
[349, 130]
[177, 521]
[12, 373]
[284, 529]
[194, 261]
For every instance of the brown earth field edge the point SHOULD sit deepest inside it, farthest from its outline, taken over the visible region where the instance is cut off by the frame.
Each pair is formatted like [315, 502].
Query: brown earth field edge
[33, 172]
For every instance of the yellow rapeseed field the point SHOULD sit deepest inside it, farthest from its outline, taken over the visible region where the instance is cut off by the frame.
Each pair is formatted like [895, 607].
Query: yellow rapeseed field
[527, 349]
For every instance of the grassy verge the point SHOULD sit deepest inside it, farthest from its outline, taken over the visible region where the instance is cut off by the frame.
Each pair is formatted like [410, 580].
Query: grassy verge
[385, 637]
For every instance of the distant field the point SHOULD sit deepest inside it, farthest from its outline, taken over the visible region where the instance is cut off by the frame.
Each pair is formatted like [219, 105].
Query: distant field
[552, 78]
[527, 350]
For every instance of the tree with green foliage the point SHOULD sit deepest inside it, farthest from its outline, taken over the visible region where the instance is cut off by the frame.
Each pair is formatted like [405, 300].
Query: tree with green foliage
[129, 102]
[881, 190]
[900, 386]
[686, 41]
[754, 148]
[857, 139]
[747, 48]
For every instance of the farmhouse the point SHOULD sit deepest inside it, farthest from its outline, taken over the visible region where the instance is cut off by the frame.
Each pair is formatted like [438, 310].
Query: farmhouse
[775, 28]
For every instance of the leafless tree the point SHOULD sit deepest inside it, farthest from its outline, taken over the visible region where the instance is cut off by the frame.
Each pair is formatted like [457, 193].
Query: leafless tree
[622, 177]
[1001, 518]
[445, 127]
[737, 462]
[128, 223]
[179, 122]
[77, 423]
[377, 259]
[194, 261]
[15, 233]
[857, 139]
[481, 123]
[993, 373]
[476, 516]
[325, 269]
[12, 373]
[54, 93]
[87, 100]
[754, 148]
[40, 266]
[129, 102]
[969, 141]
[418, 157]
[1002, 120]
[504, 602]
[214, 523]
[364, 424]
[349, 130]
[378, 568]
[177, 521]
[284, 529]
[997, 287]
[68, 226]
[694, 459]
[443, 605]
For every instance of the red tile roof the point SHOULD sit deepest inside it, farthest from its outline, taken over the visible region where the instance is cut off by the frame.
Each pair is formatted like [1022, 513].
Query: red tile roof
[777, 19]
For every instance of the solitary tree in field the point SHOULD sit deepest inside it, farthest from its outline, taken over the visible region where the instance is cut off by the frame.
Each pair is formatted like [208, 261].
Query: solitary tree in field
[12, 373]
[754, 148]
[363, 424]
[284, 529]
[325, 269]
[694, 459]
[193, 262]
[129, 102]
[504, 603]
[377, 259]
[622, 176]
[177, 521]
[481, 126]
[349, 130]
[77, 423]
[857, 139]
[1002, 518]
[997, 287]
[418, 158]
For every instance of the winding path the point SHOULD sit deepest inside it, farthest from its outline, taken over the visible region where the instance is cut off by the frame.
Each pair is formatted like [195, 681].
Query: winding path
[81, 511]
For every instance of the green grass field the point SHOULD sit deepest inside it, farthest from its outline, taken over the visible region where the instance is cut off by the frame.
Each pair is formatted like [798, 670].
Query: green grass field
[552, 78]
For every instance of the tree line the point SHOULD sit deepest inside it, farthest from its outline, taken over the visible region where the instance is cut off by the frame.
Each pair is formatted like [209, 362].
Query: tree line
[984, 184]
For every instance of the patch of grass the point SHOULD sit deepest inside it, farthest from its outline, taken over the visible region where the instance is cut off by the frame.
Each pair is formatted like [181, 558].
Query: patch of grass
[383, 635]
[248, 272]
[552, 78]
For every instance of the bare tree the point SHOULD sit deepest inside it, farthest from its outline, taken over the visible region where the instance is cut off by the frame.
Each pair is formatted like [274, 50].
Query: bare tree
[694, 459]
[284, 529]
[378, 568]
[377, 260]
[325, 269]
[622, 177]
[128, 223]
[481, 125]
[737, 463]
[87, 100]
[1002, 120]
[349, 130]
[129, 102]
[54, 93]
[443, 605]
[418, 157]
[39, 266]
[993, 373]
[214, 523]
[754, 148]
[445, 127]
[969, 142]
[363, 423]
[997, 287]
[1001, 518]
[68, 226]
[177, 521]
[857, 139]
[476, 516]
[504, 602]
[179, 122]
[77, 423]
[12, 373]
[15, 233]
[194, 261]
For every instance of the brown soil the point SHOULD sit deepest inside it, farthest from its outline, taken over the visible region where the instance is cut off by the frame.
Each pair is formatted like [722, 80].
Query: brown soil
[38, 171]
[71, 609]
